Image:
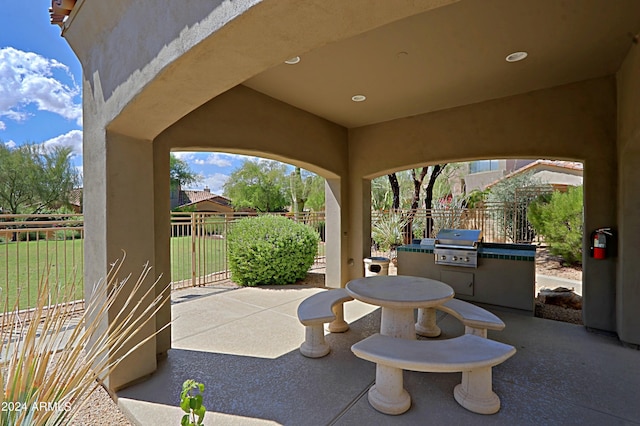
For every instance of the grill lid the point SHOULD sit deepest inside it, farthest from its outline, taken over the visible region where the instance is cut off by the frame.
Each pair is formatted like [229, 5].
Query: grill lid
[468, 238]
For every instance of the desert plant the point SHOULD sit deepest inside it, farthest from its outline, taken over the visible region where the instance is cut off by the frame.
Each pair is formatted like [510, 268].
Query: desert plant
[559, 220]
[192, 404]
[387, 231]
[48, 367]
[270, 250]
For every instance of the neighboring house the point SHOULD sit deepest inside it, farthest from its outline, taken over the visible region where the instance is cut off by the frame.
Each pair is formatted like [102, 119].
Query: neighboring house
[75, 200]
[482, 173]
[200, 201]
[558, 174]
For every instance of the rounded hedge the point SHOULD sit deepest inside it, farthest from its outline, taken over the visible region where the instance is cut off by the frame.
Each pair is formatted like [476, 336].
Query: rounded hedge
[270, 250]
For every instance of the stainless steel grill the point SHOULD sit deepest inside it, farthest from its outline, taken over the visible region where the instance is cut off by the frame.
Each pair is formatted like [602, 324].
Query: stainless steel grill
[457, 247]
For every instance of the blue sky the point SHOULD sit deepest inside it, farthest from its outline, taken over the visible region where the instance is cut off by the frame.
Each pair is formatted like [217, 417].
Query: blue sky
[41, 92]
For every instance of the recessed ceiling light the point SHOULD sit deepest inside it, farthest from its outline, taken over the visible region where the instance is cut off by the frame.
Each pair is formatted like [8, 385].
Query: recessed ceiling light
[358, 98]
[516, 56]
[292, 61]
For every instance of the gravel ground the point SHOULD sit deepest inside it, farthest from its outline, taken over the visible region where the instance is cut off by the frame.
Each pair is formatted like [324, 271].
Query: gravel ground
[548, 264]
[101, 410]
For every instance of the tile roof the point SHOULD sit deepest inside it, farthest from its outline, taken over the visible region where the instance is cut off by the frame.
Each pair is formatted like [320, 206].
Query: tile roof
[567, 165]
[75, 197]
[192, 197]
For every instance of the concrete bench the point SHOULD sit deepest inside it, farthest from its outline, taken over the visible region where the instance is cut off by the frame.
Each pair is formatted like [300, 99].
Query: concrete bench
[316, 310]
[476, 320]
[474, 356]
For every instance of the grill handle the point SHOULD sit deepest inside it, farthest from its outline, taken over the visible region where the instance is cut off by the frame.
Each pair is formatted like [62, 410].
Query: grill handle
[452, 246]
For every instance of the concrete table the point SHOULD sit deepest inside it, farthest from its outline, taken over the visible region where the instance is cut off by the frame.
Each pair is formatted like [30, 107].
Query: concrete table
[399, 295]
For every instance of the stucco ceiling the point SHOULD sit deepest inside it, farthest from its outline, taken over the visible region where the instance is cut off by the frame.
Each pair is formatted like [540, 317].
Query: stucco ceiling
[455, 55]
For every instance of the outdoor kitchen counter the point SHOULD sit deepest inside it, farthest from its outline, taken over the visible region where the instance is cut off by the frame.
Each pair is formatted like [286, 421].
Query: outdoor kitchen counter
[526, 252]
[505, 275]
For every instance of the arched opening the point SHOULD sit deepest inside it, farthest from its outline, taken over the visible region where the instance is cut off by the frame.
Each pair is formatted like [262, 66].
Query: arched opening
[513, 203]
[216, 190]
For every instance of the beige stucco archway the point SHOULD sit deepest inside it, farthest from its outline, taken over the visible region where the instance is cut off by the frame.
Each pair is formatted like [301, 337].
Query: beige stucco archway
[210, 76]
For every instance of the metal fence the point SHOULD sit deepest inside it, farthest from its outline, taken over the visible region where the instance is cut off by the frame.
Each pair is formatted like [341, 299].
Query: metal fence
[38, 247]
[35, 247]
[199, 245]
[499, 222]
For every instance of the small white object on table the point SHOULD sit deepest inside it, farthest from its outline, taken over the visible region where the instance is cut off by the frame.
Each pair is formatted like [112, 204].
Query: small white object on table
[399, 295]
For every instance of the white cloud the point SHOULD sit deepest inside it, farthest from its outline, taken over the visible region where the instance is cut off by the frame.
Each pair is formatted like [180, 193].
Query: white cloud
[28, 78]
[215, 182]
[184, 156]
[215, 159]
[10, 144]
[72, 139]
[2, 125]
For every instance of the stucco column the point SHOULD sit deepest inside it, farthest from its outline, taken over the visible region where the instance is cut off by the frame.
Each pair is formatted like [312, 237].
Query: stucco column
[599, 276]
[628, 289]
[119, 215]
[336, 242]
[336, 233]
[359, 225]
[162, 242]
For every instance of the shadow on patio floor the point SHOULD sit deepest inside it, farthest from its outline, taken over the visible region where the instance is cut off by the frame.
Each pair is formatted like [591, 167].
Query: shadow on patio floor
[243, 345]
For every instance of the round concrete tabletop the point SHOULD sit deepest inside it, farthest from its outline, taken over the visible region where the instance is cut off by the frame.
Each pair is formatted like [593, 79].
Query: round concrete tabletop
[400, 291]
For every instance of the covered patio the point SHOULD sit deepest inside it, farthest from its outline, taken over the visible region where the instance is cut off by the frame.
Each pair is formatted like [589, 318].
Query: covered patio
[242, 343]
[380, 86]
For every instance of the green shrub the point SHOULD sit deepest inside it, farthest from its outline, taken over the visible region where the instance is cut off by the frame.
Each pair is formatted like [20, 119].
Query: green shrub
[559, 220]
[270, 250]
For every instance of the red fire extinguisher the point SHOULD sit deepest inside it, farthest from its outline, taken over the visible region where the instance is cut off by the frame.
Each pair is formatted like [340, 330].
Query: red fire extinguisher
[599, 240]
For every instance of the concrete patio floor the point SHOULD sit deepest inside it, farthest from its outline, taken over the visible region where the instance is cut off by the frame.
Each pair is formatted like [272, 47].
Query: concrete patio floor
[243, 345]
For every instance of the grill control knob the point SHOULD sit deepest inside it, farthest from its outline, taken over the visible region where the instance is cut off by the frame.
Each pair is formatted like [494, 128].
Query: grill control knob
[454, 258]
[466, 259]
[443, 257]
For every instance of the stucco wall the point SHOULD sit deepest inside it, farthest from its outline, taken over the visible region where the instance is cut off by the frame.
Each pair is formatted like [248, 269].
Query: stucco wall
[573, 122]
[150, 62]
[628, 289]
[245, 121]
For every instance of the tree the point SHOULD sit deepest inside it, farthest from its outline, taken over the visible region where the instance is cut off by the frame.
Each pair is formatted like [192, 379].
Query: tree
[33, 178]
[316, 199]
[258, 185]
[395, 191]
[436, 170]
[180, 173]
[515, 194]
[300, 188]
[380, 195]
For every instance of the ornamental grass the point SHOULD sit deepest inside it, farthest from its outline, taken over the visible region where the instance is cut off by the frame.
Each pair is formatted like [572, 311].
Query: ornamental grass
[52, 357]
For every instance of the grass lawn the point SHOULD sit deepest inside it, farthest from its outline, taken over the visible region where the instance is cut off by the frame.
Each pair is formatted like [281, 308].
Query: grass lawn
[210, 256]
[23, 266]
